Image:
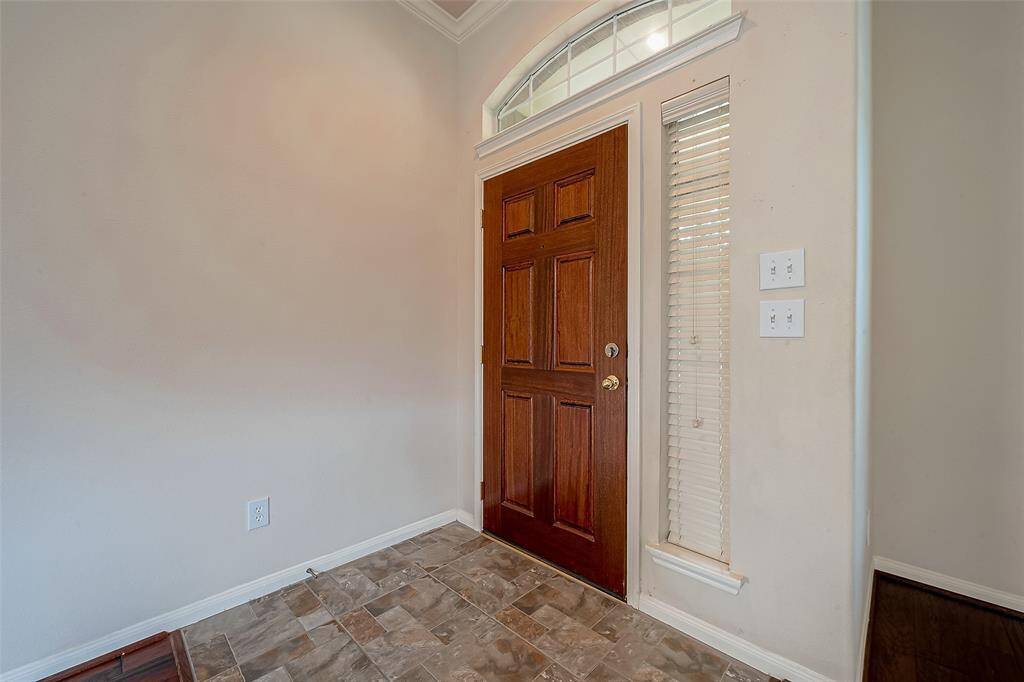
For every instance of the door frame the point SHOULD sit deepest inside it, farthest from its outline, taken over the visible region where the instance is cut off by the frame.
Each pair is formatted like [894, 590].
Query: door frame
[631, 116]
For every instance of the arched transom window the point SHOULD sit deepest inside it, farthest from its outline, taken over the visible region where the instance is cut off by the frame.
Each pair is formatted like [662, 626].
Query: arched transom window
[612, 45]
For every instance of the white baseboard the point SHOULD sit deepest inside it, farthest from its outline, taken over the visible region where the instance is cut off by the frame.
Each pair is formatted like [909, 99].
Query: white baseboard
[728, 643]
[951, 584]
[186, 615]
[467, 518]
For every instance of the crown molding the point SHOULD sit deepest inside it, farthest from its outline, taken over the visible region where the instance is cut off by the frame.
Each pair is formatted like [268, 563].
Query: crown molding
[459, 29]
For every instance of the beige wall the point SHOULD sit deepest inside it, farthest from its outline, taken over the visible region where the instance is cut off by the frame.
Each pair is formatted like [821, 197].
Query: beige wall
[197, 199]
[793, 94]
[948, 347]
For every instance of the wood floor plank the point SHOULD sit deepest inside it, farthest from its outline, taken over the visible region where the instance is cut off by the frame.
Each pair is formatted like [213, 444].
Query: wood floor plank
[160, 658]
[922, 633]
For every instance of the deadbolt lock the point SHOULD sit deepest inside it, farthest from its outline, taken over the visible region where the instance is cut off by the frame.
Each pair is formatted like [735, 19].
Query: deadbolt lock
[611, 350]
[610, 382]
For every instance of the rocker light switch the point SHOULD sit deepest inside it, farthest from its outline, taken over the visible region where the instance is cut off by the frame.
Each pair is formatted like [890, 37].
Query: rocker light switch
[782, 319]
[782, 269]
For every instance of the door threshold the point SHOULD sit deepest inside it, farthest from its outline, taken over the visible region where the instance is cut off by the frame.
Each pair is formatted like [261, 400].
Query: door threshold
[554, 567]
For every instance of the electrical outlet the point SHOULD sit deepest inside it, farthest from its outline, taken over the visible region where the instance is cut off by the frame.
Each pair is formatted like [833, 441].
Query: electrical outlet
[782, 319]
[259, 513]
[782, 269]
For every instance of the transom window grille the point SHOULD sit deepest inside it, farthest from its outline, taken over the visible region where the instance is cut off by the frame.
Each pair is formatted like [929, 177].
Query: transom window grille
[611, 46]
[697, 274]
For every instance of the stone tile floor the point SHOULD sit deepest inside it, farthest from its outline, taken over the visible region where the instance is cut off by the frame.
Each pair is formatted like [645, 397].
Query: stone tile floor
[449, 604]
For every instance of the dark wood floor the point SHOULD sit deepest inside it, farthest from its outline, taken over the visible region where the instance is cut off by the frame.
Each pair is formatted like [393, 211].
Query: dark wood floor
[922, 633]
[160, 658]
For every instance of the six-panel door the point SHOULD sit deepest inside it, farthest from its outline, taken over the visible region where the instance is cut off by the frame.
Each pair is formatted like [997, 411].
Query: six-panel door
[554, 296]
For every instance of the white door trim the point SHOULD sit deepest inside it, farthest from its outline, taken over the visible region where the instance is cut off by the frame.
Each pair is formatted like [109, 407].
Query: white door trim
[631, 117]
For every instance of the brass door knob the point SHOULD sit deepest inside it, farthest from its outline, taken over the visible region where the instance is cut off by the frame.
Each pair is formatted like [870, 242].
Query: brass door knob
[610, 382]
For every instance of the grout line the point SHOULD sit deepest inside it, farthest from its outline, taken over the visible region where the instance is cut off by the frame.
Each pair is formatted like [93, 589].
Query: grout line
[363, 606]
[495, 620]
[234, 656]
[729, 659]
[429, 674]
[184, 644]
[305, 582]
[238, 664]
[489, 617]
[553, 567]
[337, 619]
[513, 632]
[188, 652]
[593, 589]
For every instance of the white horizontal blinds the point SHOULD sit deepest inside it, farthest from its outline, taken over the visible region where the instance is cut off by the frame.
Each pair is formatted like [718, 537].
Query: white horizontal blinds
[697, 183]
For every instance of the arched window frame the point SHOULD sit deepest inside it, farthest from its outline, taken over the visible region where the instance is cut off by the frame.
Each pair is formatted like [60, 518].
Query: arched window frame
[675, 21]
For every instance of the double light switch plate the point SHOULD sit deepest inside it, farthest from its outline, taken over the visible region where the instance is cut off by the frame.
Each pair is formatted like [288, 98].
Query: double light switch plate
[782, 319]
[782, 269]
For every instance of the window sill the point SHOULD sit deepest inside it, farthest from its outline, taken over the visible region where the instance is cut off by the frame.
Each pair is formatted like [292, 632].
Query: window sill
[693, 565]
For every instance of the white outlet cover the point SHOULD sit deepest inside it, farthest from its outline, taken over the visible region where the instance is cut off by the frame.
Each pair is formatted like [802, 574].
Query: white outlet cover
[782, 319]
[259, 513]
[782, 269]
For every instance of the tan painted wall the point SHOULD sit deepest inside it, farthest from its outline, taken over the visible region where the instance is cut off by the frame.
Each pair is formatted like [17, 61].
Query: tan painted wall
[197, 198]
[793, 90]
[948, 340]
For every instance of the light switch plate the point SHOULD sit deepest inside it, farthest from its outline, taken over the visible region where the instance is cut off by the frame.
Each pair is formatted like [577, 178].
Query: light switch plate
[782, 269]
[782, 319]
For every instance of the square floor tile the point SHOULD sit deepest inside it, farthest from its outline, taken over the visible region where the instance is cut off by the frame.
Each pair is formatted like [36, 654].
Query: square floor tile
[276, 656]
[678, 656]
[362, 626]
[521, 624]
[212, 657]
[339, 659]
[576, 648]
[624, 620]
[426, 600]
[265, 633]
[343, 592]
[378, 565]
[472, 622]
[584, 604]
[493, 559]
[326, 632]
[486, 651]
[227, 622]
[398, 651]
[230, 675]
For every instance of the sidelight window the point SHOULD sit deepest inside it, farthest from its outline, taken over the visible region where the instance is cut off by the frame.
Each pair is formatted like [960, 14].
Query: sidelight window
[697, 224]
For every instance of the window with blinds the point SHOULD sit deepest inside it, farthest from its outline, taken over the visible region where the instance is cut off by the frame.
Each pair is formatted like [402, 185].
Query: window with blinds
[697, 274]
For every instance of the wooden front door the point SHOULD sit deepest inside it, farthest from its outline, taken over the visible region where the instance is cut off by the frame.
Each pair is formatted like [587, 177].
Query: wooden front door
[554, 418]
